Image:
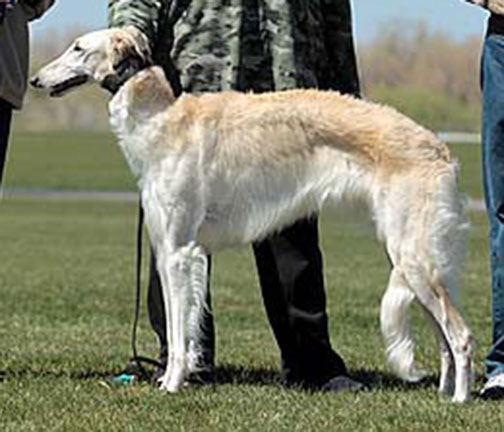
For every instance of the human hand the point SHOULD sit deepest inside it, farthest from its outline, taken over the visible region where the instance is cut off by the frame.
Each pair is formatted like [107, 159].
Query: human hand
[495, 6]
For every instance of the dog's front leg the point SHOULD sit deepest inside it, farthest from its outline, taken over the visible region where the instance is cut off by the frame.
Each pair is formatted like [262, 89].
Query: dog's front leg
[185, 271]
[174, 266]
[168, 224]
[197, 307]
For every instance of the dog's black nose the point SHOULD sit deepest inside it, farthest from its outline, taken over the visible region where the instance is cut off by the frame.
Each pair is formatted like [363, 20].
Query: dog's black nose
[35, 82]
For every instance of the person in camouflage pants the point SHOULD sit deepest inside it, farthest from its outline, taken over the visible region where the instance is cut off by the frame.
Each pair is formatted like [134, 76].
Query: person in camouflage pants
[260, 45]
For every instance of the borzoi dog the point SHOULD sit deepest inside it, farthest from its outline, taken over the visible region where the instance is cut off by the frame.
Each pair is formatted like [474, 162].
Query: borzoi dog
[222, 169]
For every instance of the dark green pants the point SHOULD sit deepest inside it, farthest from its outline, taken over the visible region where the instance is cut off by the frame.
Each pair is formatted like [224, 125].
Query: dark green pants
[5, 121]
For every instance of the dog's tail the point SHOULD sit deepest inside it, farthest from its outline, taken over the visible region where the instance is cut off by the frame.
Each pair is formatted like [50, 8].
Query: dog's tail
[441, 249]
[395, 327]
[448, 229]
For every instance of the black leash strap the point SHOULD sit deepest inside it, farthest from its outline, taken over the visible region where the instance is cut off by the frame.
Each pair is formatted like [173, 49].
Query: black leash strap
[136, 358]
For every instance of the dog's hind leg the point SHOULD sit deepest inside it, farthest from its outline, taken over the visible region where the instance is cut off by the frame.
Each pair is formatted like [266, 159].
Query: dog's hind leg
[396, 329]
[434, 298]
[447, 372]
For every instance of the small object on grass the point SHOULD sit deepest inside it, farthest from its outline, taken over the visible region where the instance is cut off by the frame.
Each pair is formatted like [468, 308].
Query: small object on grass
[123, 380]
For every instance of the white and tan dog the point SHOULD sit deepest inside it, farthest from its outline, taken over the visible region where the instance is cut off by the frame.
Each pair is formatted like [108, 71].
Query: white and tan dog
[217, 170]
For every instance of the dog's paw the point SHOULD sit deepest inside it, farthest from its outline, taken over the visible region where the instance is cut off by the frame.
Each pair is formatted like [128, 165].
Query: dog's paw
[461, 397]
[414, 375]
[169, 384]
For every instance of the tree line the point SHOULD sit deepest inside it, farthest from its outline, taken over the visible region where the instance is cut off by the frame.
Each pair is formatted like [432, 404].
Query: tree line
[428, 76]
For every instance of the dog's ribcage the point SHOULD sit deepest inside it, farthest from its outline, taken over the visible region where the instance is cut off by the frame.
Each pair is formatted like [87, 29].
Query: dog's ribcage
[248, 204]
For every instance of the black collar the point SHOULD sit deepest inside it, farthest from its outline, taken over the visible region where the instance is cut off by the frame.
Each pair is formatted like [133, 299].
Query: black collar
[124, 71]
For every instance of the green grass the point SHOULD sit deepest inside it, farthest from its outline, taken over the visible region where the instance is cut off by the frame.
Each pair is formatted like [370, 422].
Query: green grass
[67, 160]
[66, 289]
[469, 157]
[92, 160]
[66, 306]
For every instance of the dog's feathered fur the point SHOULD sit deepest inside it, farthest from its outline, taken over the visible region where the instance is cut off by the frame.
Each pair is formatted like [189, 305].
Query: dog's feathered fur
[216, 170]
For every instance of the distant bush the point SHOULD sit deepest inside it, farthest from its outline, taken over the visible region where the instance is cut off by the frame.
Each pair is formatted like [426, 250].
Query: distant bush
[437, 111]
[428, 76]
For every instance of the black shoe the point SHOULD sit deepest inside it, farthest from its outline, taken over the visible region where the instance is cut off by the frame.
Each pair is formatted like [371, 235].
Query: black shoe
[342, 383]
[202, 377]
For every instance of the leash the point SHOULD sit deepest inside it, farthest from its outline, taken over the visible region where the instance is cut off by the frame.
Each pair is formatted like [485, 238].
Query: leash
[137, 359]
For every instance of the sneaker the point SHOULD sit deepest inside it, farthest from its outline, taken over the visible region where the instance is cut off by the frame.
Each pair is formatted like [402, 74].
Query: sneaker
[493, 388]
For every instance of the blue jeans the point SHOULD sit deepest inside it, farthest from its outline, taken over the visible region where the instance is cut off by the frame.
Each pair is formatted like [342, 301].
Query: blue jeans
[492, 82]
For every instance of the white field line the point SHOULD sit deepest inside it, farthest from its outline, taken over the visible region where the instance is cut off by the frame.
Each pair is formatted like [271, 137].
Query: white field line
[84, 195]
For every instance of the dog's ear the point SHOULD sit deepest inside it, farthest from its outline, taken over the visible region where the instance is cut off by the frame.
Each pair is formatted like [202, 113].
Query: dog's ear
[130, 44]
[128, 52]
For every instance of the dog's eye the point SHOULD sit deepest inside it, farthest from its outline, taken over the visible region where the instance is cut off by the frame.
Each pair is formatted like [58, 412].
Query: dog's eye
[78, 48]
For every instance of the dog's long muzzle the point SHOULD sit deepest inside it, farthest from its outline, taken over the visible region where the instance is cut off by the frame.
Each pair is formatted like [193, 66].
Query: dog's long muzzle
[59, 88]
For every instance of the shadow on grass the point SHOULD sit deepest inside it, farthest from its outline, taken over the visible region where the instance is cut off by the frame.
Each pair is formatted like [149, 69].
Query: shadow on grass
[386, 381]
[238, 375]
[27, 372]
[243, 375]
[376, 380]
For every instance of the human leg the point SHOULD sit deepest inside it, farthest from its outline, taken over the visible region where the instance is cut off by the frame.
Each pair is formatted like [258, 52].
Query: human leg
[290, 273]
[492, 79]
[493, 177]
[5, 121]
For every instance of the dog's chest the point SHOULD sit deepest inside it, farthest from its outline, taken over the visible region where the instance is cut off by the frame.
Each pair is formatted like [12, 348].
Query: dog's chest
[134, 154]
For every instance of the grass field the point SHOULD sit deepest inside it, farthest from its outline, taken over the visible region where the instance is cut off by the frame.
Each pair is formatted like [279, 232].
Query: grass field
[66, 306]
[66, 160]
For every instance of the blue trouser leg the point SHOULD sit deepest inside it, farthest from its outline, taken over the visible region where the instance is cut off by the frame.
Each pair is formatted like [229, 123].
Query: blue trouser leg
[492, 80]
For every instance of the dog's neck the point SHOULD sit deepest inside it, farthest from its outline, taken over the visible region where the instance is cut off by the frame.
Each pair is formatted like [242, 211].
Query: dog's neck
[134, 129]
[124, 125]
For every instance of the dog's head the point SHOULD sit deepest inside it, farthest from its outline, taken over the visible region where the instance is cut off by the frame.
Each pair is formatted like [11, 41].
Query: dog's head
[107, 57]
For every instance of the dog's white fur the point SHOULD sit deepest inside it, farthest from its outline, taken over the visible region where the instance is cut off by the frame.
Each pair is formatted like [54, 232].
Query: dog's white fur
[222, 169]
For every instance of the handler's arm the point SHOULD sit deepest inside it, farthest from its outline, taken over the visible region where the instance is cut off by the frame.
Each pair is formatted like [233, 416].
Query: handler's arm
[495, 6]
[145, 15]
[150, 17]
[342, 74]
